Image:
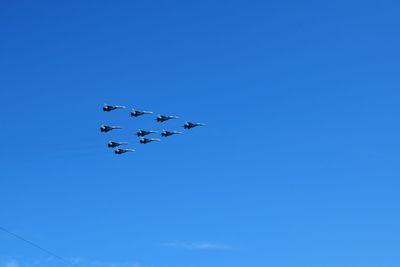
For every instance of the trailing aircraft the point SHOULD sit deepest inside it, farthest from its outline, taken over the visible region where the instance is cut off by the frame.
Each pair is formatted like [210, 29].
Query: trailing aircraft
[120, 151]
[148, 140]
[190, 125]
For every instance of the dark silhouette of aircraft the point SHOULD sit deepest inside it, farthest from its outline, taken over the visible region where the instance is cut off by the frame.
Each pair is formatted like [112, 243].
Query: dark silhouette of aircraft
[120, 151]
[137, 113]
[190, 125]
[162, 118]
[148, 140]
[169, 133]
[114, 144]
[107, 128]
[111, 107]
[142, 133]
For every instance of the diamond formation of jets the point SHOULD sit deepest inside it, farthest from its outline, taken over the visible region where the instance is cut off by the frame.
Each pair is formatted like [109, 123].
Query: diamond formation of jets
[142, 133]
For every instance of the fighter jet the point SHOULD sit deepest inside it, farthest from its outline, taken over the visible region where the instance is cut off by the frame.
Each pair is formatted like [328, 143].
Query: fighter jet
[120, 151]
[137, 113]
[169, 133]
[162, 118]
[110, 107]
[114, 144]
[106, 128]
[148, 140]
[142, 133]
[189, 125]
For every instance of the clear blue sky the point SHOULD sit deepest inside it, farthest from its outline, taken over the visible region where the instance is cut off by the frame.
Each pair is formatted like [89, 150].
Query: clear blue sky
[299, 164]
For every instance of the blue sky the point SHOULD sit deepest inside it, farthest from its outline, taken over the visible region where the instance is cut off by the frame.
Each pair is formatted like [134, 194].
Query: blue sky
[298, 165]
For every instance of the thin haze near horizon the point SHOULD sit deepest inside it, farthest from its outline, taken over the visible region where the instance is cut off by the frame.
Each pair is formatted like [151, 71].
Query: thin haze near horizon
[298, 164]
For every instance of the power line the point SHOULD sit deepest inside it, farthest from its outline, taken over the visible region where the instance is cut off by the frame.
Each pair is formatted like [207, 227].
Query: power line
[37, 246]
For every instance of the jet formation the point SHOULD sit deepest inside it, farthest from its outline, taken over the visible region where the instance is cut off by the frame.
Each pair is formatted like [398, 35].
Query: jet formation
[142, 134]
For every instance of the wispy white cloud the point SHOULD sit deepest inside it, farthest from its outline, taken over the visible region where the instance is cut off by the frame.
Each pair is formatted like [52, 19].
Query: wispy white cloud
[198, 245]
[98, 263]
[76, 261]
[11, 263]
